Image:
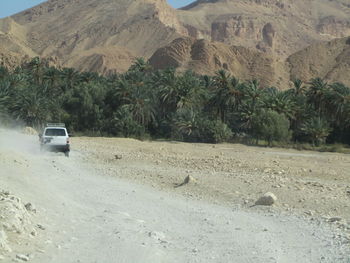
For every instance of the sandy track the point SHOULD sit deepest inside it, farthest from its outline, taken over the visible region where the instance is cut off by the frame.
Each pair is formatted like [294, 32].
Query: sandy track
[90, 216]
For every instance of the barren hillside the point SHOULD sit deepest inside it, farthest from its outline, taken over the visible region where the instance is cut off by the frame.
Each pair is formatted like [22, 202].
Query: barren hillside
[106, 35]
[83, 33]
[329, 60]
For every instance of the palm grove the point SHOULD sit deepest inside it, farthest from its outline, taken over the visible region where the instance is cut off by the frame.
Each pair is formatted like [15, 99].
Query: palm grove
[183, 106]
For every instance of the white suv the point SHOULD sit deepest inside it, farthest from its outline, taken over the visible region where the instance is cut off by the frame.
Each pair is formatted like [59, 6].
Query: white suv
[55, 138]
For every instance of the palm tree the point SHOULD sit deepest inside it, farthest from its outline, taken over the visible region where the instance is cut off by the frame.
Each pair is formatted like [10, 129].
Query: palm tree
[3, 72]
[5, 95]
[317, 129]
[338, 100]
[142, 107]
[226, 93]
[32, 105]
[122, 91]
[252, 102]
[253, 93]
[168, 90]
[136, 95]
[280, 101]
[140, 65]
[208, 81]
[53, 77]
[36, 68]
[316, 94]
[88, 77]
[70, 78]
[185, 123]
[191, 94]
[298, 89]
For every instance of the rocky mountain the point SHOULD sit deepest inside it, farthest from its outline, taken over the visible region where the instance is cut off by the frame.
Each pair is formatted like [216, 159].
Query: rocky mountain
[330, 60]
[250, 38]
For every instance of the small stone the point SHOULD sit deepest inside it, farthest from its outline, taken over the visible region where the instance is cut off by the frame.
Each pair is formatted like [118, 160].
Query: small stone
[40, 227]
[334, 219]
[267, 199]
[157, 235]
[188, 179]
[30, 207]
[309, 213]
[22, 257]
[118, 157]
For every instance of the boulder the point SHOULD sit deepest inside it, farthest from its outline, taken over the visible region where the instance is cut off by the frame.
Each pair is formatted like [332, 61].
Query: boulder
[267, 199]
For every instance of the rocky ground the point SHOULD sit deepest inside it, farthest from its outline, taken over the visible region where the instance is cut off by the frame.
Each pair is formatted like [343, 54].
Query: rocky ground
[123, 200]
[16, 224]
[305, 182]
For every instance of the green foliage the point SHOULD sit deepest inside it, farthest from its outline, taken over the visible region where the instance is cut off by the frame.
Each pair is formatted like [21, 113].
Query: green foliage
[123, 124]
[193, 127]
[317, 130]
[270, 126]
[143, 102]
[215, 131]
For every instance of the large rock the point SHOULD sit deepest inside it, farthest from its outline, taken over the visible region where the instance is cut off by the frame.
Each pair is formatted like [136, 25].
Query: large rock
[267, 199]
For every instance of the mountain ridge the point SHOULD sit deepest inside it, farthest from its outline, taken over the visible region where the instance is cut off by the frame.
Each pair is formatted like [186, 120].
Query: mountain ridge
[106, 36]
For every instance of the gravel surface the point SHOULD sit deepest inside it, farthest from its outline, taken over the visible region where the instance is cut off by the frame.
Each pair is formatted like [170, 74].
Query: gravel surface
[122, 200]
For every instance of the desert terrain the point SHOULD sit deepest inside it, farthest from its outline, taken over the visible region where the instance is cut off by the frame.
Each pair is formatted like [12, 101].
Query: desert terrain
[122, 200]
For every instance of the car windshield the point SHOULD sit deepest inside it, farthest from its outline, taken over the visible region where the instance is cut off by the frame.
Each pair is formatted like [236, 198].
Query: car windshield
[55, 132]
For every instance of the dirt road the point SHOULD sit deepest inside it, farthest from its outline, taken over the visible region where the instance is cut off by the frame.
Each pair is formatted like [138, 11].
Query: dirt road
[114, 200]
